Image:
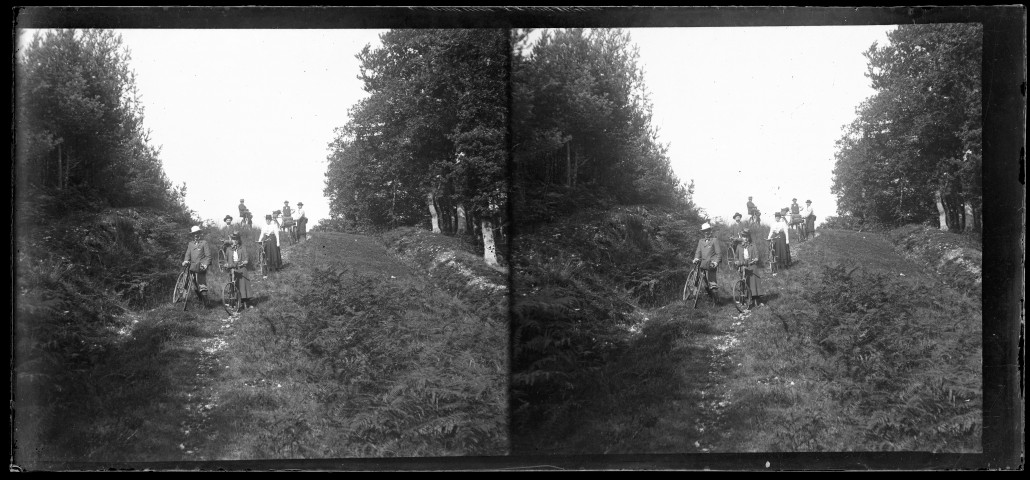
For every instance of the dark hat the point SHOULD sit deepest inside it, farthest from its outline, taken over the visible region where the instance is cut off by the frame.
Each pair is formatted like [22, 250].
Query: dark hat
[228, 217]
[300, 203]
[735, 215]
[793, 199]
[241, 200]
[285, 202]
[268, 217]
[778, 214]
[808, 201]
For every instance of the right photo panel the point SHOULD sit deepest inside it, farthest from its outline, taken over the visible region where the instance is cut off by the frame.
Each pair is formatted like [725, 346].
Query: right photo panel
[746, 239]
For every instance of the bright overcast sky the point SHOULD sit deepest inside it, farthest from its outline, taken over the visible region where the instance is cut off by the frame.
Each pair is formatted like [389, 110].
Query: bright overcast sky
[746, 111]
[756, 111]
[247, 113]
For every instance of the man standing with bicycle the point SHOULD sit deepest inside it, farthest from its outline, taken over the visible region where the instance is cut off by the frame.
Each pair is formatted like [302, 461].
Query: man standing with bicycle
[708, 254]
[198, 257]
[747, 259]
[236, 261]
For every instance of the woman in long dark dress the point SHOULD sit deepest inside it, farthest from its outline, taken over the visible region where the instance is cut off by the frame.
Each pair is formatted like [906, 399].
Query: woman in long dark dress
[270, 242]
[781, 241]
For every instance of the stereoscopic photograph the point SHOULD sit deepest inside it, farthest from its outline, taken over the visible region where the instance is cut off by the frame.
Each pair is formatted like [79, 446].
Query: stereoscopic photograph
[425, 239]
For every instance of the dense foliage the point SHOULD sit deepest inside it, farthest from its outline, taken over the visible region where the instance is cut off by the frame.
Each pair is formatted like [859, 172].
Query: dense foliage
[901, 372]
[578, 286]
[917, 140]
[581, 117]
[80, 124]
[99, 228]
[434, 123]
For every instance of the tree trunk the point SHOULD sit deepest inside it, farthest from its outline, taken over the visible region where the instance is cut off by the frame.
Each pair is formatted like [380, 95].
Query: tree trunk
[942, 213]
[431, 203]
[568, 164]
[60, 168]
[972, 218]
[461, 227]
[489, 250]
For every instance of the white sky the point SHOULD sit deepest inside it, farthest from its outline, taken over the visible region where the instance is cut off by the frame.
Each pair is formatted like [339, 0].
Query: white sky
[756, 111]
[747, 111]
[247, 113]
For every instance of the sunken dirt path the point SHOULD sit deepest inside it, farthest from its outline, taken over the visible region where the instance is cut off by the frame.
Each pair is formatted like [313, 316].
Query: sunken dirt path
[187, 422]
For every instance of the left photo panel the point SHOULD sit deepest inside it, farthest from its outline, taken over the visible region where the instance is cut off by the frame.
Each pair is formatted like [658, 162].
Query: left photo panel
[259, 244]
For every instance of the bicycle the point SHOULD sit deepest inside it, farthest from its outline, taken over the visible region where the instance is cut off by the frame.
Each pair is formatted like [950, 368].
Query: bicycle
[183, 284]
[696, 280]
[755, 218]
[742, 295]
[774, 263]
[263, 264]
[231, 300]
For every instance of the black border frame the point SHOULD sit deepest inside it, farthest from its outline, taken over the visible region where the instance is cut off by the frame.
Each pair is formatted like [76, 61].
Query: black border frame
[1004, 109]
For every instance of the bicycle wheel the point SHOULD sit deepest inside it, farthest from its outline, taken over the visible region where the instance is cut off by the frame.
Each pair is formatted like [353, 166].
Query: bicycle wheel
[179, 291]
[230, 298]
[688, 288]
[188, 290]
[700, 288]
[741, 297]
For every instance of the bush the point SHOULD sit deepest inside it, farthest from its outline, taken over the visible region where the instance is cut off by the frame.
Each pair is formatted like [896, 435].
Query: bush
[882, 346]
[849, 222]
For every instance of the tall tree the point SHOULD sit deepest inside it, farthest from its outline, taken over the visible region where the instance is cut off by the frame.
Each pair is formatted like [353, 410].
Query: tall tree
[79, 123]
[914, 152]
[432, 132]
[582, 116]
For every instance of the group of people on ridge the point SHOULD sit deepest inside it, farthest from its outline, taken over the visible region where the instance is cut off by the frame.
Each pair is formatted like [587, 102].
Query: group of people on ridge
[237, 257]
[743, 252]
[744, 255]
[198, 258]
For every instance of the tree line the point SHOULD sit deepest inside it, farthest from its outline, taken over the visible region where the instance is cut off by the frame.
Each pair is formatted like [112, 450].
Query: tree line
[79, 124]
[428, 145]
[452, 115]
[913, 154]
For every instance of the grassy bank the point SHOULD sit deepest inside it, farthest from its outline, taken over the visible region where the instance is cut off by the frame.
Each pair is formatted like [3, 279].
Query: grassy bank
[348, 353]
[857, 348]
[862, 350]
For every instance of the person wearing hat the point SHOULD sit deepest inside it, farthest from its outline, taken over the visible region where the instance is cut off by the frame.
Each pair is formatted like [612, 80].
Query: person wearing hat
[781, 240]
[227, 240]
[752, 211]
[794, 207]
[269, 239]
[708, 253]
[809, 216]
[288, 220]
[245, 217]
[735, 234]
[747, 258]
[198, 257]
[236, 260]
[302, 221]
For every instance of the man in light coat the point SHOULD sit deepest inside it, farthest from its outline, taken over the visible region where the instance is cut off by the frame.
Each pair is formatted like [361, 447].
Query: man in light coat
[198, 257]
[708, 253]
